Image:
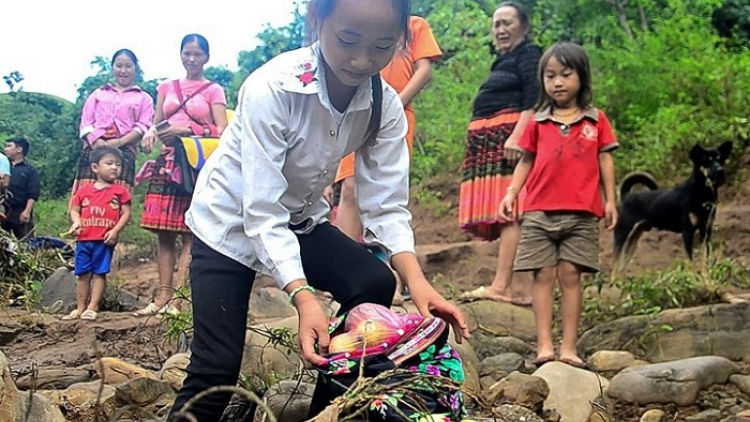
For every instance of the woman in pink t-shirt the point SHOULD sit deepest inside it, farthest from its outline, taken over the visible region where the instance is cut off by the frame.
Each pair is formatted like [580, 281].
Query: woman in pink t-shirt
[192, 106]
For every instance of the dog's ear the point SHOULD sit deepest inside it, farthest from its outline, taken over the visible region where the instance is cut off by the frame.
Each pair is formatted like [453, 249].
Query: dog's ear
[725, 149]
[697, 153]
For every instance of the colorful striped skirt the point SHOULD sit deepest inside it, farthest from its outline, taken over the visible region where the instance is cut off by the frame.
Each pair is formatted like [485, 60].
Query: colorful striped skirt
[165, 204]
[486, 175]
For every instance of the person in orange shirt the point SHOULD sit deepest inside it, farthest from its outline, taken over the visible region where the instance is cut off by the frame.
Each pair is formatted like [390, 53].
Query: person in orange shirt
[408, 72]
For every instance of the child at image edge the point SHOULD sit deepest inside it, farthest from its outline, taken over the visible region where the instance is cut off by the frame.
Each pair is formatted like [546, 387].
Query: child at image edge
[99, 212]
[567, 149]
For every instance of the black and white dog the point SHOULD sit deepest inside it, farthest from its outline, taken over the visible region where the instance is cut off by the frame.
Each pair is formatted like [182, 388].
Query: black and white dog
[684, 209]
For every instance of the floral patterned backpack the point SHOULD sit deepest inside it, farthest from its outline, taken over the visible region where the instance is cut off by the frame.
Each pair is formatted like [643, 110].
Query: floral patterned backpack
[410, 356]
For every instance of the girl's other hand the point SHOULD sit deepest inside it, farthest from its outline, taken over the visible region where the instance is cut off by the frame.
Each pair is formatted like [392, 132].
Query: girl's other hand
[149, 141]
[610, 215]
[506, 207]
[313, 328]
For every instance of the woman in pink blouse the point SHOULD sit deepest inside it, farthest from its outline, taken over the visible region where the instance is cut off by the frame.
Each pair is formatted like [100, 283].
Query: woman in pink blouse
[184, 107]
[117, 114]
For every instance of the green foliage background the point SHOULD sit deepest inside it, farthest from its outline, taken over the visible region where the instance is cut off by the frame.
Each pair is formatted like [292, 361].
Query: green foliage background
[669, 74]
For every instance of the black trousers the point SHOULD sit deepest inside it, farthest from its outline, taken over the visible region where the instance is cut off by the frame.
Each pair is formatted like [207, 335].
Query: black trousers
[220, 288]
[14, 225]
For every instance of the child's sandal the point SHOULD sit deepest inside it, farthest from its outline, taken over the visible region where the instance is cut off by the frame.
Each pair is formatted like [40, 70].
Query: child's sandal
[71, 316]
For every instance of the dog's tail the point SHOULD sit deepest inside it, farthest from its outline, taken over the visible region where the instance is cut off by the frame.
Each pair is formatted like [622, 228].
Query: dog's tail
[637, 178]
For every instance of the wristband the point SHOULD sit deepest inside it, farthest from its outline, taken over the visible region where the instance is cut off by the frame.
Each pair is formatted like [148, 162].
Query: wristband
[299, 289]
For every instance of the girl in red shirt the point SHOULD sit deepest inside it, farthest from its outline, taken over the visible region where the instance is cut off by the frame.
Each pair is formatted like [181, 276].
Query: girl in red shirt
[567, 149]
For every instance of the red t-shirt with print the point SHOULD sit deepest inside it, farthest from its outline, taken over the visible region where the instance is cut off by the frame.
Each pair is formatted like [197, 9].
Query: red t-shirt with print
[566, 174]
[100, 209]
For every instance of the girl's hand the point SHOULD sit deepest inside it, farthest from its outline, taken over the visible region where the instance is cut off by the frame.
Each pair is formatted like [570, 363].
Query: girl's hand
[149, 140]
[506, 207]
[313, 328]
[172, 131]
[115, 143]
[430, 302]
[610, 215]
[98, 143]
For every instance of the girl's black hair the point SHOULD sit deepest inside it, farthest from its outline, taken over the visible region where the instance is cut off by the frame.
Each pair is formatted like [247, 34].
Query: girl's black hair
[574, 57]
[128, 53]
[318, 12]
[199, 39]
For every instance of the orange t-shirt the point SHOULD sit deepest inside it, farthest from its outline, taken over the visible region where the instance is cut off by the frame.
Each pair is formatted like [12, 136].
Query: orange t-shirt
[422, 46]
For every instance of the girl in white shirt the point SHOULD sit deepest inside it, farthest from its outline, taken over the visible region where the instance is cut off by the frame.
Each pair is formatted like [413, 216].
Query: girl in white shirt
[258, 204]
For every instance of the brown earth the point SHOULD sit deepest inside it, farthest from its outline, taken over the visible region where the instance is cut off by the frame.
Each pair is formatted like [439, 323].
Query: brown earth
[43, 341]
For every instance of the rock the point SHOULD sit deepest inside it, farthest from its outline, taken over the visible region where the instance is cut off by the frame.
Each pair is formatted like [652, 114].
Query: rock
[10, 401]
[608, 360]
[54, 379]
[267, 361]
[501, 365]
[270, 303]
[500, 319]
[143, 392]
[143, 396]
[60, 287]
[520, 389]
[510, 413]
[116, 371]
[469, 362]
[719, 330]
[293, 397]
[571, 390]
[653, 415]
[487, 346]
[8, 334]
[82, 402]
[670, 382]
[710, 415]
[174, 370]
[741, 381]
[38, 408]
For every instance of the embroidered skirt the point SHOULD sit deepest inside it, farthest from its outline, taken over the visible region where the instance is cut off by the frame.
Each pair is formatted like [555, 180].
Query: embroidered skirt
[165, 204]
[84, 175]
[486, 175]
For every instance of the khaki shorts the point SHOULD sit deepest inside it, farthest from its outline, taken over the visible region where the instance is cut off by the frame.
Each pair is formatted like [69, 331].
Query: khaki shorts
[550, 237]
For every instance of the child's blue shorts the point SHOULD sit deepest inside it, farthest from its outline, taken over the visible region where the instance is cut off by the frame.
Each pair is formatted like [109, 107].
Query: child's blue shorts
[93, 257]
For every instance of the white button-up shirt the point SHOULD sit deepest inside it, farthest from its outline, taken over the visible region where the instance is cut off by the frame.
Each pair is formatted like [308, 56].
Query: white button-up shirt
[279, 152]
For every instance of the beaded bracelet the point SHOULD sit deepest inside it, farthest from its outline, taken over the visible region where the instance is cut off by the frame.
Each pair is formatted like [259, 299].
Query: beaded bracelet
[299, 289]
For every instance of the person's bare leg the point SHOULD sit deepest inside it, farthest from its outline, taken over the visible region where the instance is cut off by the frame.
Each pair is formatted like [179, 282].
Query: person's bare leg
[98, 286]
[165, 260]
[544, 284]
[347, 216]
[500, 289]
[569, 277]
[83, 287]
[520, 287]
[183, 265]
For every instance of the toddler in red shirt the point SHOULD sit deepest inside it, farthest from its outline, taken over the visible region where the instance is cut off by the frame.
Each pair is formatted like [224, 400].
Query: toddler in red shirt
[99, 211]
[568, 148]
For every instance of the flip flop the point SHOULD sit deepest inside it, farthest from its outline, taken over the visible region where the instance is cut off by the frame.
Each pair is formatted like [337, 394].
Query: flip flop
[480, 293]
[575, 364]
[521, 303]
[89, 315]
[541, 360]
[71, 316]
